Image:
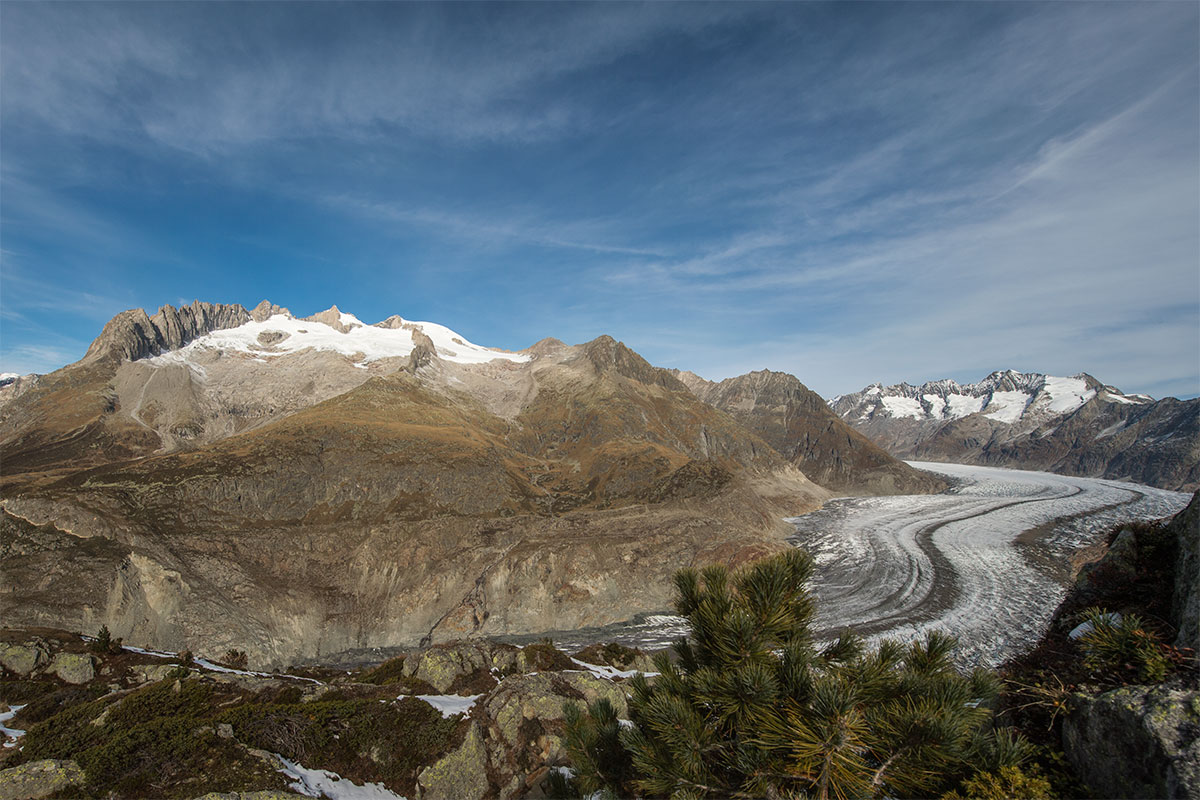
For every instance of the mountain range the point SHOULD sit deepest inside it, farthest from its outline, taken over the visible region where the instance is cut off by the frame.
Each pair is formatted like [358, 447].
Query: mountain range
[1075, 426]
[211, 477]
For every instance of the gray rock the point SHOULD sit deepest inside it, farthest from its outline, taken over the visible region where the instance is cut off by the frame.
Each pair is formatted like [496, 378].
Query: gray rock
[265, 310]
[152, 673]
[1185, 602]
[133, 334]
[441, 664]
[525, 716]
[1136, 742]
[23, 658]
[39, 779]
[461, 775]
[73, 667]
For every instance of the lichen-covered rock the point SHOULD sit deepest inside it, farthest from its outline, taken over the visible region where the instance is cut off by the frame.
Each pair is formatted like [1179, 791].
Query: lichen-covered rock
[73, 667]
[23, 658]
[461, 775]
[441, 665]
[1185, 602]
[39, 779]
[524, 723]
[1137, 742]
[152, 673]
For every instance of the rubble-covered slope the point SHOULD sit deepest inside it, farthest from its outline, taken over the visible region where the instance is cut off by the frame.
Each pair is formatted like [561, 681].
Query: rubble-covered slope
[795, 421]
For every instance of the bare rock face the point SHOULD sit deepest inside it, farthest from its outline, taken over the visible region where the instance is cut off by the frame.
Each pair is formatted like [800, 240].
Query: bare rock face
[333, 318]
[265, 310]
[132, 334]
[1185, 601]
[1137, 742]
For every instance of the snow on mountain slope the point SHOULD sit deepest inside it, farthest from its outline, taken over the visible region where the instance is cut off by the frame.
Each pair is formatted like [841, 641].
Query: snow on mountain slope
[1006, 397]
[281, 334]
[1075, 425]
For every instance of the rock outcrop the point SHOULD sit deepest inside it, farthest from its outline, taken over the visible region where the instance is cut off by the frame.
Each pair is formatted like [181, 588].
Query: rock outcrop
[1185, 600]
[38, 779]
[1137, 742]
[133, 334]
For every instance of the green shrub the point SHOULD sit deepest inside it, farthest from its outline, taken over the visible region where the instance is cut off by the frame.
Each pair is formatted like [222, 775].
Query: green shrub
[611, 653]
[752, 708]
[237, 659]
[361, 739]
[1123, 648]
[545, 657]
[389, 671]
[103, 641]
[1006, 783]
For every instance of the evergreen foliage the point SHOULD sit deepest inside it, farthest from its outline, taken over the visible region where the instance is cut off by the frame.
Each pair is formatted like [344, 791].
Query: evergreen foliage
[751, 707]
[1117, 644]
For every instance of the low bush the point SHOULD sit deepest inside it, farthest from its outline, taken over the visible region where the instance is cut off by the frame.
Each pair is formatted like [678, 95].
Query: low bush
[1123, 647]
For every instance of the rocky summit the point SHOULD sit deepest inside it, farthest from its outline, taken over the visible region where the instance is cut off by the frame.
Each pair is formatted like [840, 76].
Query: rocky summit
[210, 478]
[1076, 426]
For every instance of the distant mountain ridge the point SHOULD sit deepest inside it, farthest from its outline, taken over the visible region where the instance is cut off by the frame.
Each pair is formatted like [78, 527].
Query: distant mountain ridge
[1075, 425]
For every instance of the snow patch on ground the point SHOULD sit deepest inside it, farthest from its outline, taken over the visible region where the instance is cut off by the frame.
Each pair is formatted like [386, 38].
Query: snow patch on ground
[1111, 429]
[903, 407]
[451, 705]
[11, 735]
[963, 405]
[611, 673]
[323, 783]
[366, 343]
[204, 663]
[1007, 406]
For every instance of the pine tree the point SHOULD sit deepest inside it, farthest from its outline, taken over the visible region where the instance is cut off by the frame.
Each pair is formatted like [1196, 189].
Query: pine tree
[750, 707]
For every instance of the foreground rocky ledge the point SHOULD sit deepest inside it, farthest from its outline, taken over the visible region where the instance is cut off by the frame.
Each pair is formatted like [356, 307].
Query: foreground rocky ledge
[468, 720]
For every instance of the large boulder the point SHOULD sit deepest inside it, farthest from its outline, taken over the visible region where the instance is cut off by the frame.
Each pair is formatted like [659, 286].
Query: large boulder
[442, 665]
[1185, 602]
[24, 658]
[460, 775]
[39, 779]
[516, 736]
[1137, 742]
[524, 723]
[74, 667]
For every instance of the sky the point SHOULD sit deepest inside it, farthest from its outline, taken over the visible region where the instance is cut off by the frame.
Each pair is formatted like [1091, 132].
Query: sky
[850, 193]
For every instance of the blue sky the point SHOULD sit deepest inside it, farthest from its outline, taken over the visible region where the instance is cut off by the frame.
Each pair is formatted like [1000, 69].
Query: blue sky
[850, 193]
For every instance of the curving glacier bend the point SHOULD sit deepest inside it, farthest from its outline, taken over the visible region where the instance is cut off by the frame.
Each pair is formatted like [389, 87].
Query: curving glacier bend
[987, 561]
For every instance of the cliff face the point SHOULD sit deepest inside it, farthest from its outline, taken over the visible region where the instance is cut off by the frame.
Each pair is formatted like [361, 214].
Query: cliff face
[797, 423]
[295, 502]
[132, 334]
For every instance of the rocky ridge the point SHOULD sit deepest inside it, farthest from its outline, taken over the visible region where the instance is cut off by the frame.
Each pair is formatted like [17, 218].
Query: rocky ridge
[1076, 426]
[795, 421]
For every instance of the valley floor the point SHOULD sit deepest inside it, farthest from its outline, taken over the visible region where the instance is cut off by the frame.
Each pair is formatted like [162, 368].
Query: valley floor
[987, 561]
